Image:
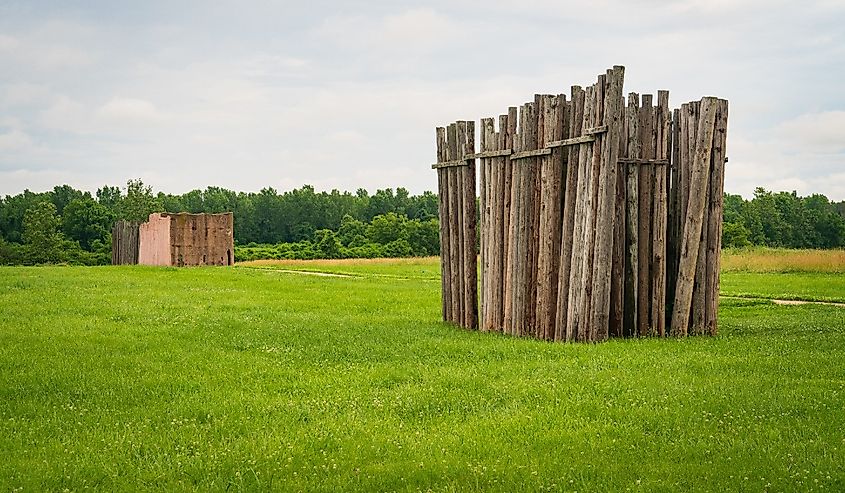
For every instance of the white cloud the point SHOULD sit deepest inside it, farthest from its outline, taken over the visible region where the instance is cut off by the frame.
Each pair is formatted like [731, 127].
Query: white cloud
[129, 110]
[822, 132]
[280, 96]
[14, 140]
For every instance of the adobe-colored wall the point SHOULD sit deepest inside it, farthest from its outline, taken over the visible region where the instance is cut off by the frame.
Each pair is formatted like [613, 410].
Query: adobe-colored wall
[154, 241]
[187, 239]
[202, 239]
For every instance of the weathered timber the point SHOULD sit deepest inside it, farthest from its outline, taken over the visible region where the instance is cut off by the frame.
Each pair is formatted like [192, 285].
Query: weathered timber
[456, 284]
[548, 255]
[443, 214]
[695, 214]
[124, 243]
[645, 242]
[660, 214]
[715, 205]
[470, 263]
[632, 217]
[576, 122]
[606, 206]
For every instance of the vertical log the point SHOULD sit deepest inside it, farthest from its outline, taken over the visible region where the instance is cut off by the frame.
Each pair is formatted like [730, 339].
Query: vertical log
[517, 251]
[617, 279]
[674, 216]
[646, 187]
[632, 217]
[500, 231]
[585, 331]
[660, 215]
[511, 138]
[576, 122]
[699, 286]
[482, 226]
[606, 204]
[714, 236]
[488, 200]
[470, 260]
[443, 214]
[576, 280]
[548, 256]
[699, 178]
[455, 270]
[535, 127]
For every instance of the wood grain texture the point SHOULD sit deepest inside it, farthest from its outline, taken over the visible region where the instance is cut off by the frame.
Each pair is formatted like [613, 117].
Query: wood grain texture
[699, 178]
[443, 215]
[469, 233]
[576, 123]
[646, 191]
[715, 205]
[660, 214]
[548, 254]
[606, 205]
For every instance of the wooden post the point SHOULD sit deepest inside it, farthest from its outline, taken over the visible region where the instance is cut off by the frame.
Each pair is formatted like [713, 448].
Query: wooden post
[576, 281]
[482, 226]
[502, 191]
[443, 213]
[534, 132]
[511, 182]
[674, 217]
[632, 228]
[695, 215]
[714, 235]
[646, 188]
[456, 271]
[488, 199]
[617, 279]
[548, 255]
[660, 215]
[606, 204]
[470, 260]
[576, 123]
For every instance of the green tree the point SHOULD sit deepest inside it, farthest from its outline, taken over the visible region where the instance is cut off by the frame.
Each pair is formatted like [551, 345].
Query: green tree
[386, 228]
[139, 202]
[63, 195]
[86, 221]
[735, 235]
[40, 234]
[351, 231]
[109, 197]
[326, 244]
[13, 211]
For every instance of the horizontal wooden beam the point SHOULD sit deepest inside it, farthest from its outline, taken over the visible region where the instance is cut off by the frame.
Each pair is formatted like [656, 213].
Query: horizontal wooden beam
[449, 164]
[642, 161]
[573, 141]
[534, 153]
[486, 154]
[596, 130]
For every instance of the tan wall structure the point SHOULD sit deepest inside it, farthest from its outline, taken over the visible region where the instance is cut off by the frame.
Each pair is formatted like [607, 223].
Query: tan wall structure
[184, 239]
[600, 215]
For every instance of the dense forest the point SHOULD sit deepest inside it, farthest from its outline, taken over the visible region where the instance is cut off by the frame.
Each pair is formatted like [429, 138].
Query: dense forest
[73, 226]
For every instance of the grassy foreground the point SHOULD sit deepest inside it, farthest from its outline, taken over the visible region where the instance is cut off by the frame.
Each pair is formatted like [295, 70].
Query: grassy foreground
[256, 379]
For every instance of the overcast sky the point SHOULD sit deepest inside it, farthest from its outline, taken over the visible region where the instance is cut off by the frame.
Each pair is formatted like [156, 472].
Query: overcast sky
[347, 94]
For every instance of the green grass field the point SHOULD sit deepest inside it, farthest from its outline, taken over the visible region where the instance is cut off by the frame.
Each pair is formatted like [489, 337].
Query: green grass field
[250, 378]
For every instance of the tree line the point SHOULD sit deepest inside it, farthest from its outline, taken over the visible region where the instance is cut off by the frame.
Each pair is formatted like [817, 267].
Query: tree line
[783, 219]
[74, 226]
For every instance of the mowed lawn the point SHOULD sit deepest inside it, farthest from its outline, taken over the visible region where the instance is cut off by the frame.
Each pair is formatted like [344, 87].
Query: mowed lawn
[250, 378]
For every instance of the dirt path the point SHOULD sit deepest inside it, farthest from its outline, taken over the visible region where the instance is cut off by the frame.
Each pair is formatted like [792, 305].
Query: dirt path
[304, 272]
[787, 302]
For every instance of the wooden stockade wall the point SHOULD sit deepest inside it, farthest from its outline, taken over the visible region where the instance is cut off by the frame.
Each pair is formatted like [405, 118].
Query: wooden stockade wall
[124, 243]
[600, 216]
